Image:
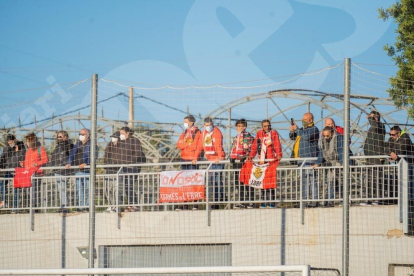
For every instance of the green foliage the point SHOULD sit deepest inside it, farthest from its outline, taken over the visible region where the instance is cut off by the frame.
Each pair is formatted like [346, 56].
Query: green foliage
[402, 53]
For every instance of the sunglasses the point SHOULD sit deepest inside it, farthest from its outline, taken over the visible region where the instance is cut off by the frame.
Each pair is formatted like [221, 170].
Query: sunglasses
[82, 134]
[393, 134]
[60, 137]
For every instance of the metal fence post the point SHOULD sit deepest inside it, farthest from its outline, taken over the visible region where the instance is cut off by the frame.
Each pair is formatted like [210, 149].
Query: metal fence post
[345, 221]
[93, 155]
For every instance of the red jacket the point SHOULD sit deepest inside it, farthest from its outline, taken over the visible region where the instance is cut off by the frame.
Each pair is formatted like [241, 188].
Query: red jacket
[273, 150]
[32, 156]
[217, 139]
[187, 145]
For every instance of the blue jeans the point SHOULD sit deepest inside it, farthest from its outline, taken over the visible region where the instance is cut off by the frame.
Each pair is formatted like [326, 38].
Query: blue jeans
[61, 186]
[82, 188]
[308, 182]
[215, 183]
[188, 167]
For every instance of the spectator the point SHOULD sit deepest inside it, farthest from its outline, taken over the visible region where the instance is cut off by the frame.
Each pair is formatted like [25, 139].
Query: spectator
[110, 182]
[267, 146]
[306, 146]
[80, 156]
[331, 154]
[329, 122]
[374, 143]
[399, 144]
[129, 152]
[240, 150]
[36, 156]
[374, 146]
[211, 143]
[187, 143]
[60, 156]
[12, 155]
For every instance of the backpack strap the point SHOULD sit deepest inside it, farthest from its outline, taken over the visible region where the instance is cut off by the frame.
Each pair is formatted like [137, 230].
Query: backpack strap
[39, 151]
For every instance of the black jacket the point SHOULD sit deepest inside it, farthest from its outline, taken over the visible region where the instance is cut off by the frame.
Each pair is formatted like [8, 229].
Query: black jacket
[109, 157]
[374, 143]
[401, 146]
[11, 158]
[60, 156]
[129, 152]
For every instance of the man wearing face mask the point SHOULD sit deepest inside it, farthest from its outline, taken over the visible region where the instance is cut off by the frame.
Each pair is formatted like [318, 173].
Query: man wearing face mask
[110, 181]
[188, 142]
[211, 143]
[305, 146]
[80, 156]
[10, 159]
[60, 156]
[129, 152]
[331, 154]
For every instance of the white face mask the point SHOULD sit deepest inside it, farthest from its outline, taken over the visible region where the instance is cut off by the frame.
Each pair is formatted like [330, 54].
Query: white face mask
[114, 139]
[82, 138]
[12, 145]
[209, 128]
[185, 125]
[122, 137]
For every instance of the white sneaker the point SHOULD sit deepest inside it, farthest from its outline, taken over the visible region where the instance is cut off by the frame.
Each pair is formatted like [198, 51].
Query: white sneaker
[375, 203]
[195, 208]
[366, 203]
[108, 210]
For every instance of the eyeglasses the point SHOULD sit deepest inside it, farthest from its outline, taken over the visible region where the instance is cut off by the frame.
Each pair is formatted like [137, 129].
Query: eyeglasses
[393, 134]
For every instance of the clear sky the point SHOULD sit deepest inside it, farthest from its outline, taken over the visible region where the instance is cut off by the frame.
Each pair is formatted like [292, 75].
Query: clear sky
[184, 42]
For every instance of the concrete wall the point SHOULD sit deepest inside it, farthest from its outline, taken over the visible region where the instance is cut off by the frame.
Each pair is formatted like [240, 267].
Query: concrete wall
[258, 237]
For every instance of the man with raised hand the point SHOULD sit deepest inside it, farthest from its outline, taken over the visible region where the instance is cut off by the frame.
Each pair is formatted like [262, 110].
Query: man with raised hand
[306, 146]
[211, 143]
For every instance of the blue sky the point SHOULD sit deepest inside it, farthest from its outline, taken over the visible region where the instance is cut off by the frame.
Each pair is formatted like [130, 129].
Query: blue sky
[182, 42]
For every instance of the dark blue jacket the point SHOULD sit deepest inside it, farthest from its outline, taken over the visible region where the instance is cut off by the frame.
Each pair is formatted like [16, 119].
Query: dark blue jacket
[308, 144]
[86, 154]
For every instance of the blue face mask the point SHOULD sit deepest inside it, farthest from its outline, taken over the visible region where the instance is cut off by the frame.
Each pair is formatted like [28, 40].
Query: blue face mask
[209, 128]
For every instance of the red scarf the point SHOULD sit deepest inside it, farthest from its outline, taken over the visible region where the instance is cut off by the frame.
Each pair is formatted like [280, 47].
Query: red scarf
[188, 137]
[239, 149]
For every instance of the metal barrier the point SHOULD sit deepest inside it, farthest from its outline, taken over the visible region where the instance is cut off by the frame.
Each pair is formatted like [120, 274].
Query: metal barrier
[295, 185]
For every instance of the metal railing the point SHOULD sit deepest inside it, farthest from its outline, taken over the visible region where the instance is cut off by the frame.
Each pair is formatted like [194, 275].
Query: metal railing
[295, 185]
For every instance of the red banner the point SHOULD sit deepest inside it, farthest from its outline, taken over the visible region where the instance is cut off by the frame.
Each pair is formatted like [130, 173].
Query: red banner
[181, 186]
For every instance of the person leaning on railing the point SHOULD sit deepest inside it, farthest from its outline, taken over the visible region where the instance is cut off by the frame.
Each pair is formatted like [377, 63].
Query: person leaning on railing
[59, 157]
[36, 156]
[13, 153]
[399, 144]
[81, 156]
[331, 154]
